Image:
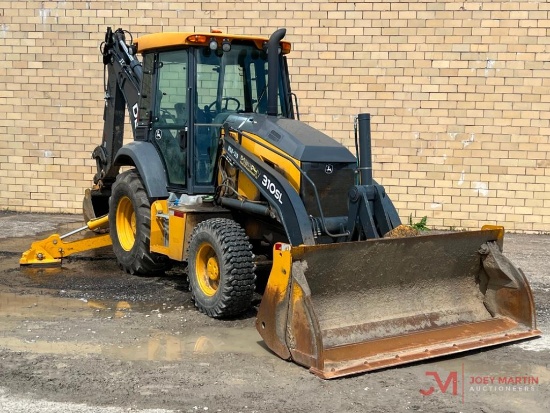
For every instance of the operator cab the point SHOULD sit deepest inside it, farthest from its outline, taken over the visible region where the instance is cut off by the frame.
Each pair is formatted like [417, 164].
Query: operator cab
[190, 87]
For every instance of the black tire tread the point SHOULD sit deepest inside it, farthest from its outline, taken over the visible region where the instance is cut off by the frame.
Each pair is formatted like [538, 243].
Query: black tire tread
[140, 260]
[237, 284]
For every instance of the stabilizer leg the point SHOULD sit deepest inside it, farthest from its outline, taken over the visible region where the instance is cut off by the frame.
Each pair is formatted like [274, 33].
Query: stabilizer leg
[52, 250]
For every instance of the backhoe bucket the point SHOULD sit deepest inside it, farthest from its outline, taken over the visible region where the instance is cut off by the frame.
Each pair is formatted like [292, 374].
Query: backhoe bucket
[346, 308]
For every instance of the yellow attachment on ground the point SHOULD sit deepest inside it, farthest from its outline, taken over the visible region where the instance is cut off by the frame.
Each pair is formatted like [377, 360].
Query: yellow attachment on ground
[52, 250]
[346, 308]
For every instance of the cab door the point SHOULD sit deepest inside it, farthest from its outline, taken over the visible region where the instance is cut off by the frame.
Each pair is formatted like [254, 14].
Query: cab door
[170, 114]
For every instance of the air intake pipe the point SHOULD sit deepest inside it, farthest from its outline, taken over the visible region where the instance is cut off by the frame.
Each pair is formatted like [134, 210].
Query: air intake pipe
[273, 71]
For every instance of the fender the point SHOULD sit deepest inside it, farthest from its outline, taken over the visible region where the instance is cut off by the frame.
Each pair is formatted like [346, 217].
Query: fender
[144, 156]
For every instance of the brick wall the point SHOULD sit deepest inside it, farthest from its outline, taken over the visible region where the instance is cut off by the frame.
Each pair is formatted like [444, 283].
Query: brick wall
[458, 92]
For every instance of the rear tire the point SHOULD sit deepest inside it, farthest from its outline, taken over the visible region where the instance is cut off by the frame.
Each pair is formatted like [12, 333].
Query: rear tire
[130, 226]
[221, 268]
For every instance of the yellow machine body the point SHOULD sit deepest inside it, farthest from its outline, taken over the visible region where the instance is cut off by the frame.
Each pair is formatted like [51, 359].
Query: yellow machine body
[339, 298]
[269, 154]
[172, 226]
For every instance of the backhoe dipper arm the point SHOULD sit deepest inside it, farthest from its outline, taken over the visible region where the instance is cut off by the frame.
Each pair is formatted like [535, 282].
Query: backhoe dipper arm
[124, 75]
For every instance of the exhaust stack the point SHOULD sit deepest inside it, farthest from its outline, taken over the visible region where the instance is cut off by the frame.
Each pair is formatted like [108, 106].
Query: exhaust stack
[273, 70]
[365, 153]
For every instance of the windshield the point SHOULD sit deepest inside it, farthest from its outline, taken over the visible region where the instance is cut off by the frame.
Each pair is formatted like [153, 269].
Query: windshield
[227, 82]
[234, 81]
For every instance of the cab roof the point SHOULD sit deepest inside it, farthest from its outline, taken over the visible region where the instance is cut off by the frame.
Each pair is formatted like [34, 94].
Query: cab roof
[156, 41]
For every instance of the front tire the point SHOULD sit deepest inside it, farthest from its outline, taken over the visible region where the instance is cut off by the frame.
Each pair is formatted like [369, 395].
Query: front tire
[221, 268]
[130, 226]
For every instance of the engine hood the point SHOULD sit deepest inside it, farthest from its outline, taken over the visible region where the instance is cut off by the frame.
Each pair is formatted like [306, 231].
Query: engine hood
[295, 138]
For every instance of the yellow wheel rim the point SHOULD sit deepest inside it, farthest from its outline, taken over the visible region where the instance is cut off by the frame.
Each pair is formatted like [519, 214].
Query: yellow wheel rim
[207, 269]
[126, 223]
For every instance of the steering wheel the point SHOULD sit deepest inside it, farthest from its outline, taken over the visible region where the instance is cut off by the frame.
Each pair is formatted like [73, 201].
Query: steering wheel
[225, 107]
[167, 117]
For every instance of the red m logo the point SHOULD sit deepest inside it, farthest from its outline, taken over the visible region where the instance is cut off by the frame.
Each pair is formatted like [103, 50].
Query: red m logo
[452, 377]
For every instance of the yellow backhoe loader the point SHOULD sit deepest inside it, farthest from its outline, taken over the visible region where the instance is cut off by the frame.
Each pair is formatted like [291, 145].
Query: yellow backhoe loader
[221, 171]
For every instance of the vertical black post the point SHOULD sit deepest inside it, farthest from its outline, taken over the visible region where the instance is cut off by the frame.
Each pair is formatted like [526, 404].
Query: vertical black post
[365, 153]
[273, 71]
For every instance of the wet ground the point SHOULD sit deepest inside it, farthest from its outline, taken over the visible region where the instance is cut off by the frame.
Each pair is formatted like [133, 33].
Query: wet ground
[87, 337]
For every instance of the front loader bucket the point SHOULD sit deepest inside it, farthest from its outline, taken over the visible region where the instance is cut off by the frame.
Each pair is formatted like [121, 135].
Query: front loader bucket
[346, 308]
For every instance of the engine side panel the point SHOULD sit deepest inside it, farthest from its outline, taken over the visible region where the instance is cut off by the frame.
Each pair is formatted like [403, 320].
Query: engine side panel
[288, 145]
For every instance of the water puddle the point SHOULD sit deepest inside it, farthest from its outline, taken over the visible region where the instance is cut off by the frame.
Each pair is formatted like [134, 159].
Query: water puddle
[49, 347]
[46, 307]
[538, 344]
[171, 347]
[55, 325]
[39, 306]
[160, 347]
